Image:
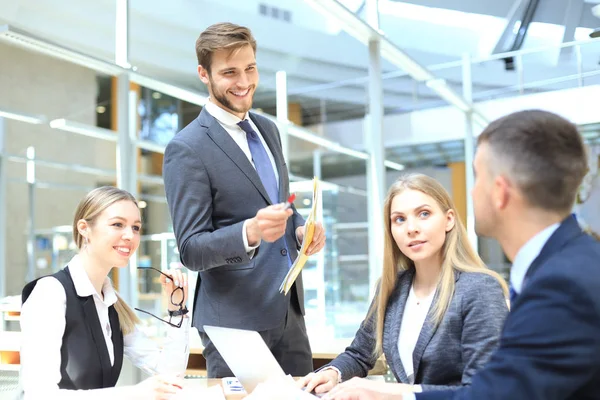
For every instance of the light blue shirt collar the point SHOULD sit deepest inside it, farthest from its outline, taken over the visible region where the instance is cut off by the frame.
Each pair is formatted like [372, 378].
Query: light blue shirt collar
[527, 254]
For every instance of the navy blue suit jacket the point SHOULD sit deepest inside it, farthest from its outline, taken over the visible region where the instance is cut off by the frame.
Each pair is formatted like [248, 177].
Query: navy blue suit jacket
[550, 344]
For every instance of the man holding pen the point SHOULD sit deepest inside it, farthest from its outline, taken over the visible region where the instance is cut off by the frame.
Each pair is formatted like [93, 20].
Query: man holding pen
[226, 183]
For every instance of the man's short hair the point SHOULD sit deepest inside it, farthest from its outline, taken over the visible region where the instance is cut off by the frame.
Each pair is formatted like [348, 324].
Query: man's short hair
[224, 35]
[542, 153]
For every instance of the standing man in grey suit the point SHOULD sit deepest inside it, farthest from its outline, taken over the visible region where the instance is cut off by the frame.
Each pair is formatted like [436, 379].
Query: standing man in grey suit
[226, 181]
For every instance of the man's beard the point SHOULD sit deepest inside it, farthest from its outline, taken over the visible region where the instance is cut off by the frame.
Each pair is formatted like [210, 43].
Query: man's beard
[222, 98]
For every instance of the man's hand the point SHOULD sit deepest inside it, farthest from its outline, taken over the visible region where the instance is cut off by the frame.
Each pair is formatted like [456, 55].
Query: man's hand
[372, 388]
[318, 239]
[351, 393]
[268, 224]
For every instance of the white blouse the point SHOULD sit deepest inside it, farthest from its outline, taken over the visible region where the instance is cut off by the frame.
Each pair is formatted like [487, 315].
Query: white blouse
[415, 313]
[43, 325]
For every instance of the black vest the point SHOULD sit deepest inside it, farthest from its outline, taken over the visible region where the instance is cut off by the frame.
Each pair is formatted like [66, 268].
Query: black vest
[85, 363]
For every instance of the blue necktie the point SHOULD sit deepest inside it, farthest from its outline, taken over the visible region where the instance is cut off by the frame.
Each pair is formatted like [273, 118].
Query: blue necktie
[262, 163]
[513, 293]
[263, 166]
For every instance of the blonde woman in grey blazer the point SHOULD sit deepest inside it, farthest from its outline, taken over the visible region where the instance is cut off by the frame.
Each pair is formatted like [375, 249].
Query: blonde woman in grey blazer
[438, 312]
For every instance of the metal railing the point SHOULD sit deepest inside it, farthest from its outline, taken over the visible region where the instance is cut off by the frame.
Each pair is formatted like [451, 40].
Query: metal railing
[581, 71]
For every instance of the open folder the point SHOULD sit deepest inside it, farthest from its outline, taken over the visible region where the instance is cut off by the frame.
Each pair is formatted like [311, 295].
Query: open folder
[309, 230]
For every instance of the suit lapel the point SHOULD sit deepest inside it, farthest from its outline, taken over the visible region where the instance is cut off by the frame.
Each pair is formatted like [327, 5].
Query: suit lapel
[427, 332]
[232, 150]
[568, 229]
[270, 138]
[117, 339]
[395, 318]
[92, 321]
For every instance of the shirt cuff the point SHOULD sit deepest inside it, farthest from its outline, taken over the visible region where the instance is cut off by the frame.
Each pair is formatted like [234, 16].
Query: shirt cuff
[298, 242]
[417, 389]
[249, 249]
[409, 396]
[179, 334]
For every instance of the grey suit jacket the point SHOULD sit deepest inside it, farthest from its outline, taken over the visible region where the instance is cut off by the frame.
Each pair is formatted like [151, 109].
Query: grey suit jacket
[212, 188]
[446, 356]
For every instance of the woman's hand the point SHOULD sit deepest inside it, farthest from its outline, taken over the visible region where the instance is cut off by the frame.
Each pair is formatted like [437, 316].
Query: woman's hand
[158, 387]
[369, 385]
[178, 279]
[319, 382]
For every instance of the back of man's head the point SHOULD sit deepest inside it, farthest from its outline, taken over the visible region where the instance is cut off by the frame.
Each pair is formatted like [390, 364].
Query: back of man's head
[541, 153]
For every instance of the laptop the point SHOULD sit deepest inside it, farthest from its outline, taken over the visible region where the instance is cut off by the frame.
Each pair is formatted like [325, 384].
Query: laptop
[246, 354]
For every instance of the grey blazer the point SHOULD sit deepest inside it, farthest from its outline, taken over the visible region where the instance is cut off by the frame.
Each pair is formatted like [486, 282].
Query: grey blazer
[446, 356]
[212, 188]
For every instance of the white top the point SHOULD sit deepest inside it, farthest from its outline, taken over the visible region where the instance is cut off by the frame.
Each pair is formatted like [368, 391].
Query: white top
[43, 326]
[415, 312]
[229, 122]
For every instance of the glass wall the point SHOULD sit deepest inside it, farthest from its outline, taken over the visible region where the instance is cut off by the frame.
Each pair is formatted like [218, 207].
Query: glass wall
[69, 112]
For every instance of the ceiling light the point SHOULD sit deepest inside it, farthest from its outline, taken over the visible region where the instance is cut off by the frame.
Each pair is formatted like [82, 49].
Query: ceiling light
[23, 117]
[168, 89]
[28, 41]
[30, 164]
[156, 95]
[84, 129]
[23, 39]
[142, 204]
[394, 165]
[150, 146]
[100, 109]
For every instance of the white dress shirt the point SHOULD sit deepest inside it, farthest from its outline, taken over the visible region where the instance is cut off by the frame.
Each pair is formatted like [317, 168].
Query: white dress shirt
[43, 325]
[525, 256]
[229, 122]
[413, 318]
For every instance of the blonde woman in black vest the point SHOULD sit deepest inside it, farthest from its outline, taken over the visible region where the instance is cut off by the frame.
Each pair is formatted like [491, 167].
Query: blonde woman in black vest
[76, 329]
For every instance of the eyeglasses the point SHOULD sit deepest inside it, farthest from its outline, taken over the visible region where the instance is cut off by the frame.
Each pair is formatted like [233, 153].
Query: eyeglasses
[176, 294]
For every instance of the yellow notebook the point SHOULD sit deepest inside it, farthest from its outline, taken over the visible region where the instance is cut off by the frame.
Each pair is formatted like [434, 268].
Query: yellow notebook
[309, 230]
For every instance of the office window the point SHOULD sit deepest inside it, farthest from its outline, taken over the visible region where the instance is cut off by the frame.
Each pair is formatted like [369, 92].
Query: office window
[287, 16]
[263, 9]
[275, 12]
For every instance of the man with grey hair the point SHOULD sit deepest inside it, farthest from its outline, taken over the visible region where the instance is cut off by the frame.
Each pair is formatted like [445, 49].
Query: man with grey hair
[528, 168]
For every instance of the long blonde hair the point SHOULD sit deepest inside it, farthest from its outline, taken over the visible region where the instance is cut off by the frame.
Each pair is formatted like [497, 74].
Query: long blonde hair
[458, 255]
[89, 208]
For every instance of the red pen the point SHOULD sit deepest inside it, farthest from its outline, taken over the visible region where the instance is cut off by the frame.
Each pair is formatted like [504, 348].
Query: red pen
[289, 201]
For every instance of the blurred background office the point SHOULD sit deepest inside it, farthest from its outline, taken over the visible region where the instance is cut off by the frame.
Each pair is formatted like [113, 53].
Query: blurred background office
[362, 91]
